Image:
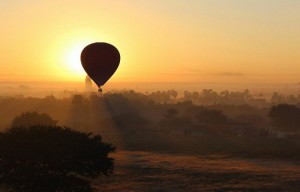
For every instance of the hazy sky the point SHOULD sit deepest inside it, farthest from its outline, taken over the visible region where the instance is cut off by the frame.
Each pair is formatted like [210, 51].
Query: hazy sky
[159, 40]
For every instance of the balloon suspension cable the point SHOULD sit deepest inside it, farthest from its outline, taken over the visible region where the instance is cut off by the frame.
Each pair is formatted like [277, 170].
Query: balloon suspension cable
[100, 89]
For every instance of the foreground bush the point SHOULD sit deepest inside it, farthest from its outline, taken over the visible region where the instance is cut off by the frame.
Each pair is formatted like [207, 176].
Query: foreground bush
[51, 158]
[32, 118]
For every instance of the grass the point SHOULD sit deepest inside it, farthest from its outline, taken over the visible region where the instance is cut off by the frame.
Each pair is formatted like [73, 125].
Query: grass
[157, 172]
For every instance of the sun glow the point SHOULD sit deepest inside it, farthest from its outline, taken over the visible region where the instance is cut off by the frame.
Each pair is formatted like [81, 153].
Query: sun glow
[73, 61]
[64, 53]
[69, 49]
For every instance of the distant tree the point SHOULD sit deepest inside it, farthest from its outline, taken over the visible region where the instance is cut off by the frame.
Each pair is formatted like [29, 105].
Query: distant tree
[77, 99]
[171, 113]
[172, 121]
[195, 96]
[211, 117]
[187, 96]
[32, 118]
[277, 98]
[208, 97]
[291, 99]
[51, 158]
[252, 119]
[50, 99]
[173, 93]
[285, 117]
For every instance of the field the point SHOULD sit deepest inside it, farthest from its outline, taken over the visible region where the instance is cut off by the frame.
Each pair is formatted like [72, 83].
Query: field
[148, 171]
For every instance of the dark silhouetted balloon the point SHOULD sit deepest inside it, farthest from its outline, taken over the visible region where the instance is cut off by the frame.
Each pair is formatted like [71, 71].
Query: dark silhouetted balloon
[100, 61]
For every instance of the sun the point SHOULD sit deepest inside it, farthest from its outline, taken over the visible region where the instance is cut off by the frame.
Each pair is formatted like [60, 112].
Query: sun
[73, 61]
[68, 50]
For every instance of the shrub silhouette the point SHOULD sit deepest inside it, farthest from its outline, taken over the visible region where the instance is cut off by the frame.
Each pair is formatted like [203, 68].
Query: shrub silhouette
[32, 118]
[52, 158]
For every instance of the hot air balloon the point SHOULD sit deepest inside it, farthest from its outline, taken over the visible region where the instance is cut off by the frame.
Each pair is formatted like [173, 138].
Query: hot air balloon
[100, 61]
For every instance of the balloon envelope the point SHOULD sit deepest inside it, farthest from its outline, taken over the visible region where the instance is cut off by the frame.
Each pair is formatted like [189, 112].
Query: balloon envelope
[100, 61]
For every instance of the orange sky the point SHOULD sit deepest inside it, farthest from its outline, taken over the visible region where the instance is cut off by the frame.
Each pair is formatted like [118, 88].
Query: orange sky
[169, 40]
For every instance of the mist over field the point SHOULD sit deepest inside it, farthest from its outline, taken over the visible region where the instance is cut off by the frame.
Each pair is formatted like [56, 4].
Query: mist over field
[65, 89]
[196, 137]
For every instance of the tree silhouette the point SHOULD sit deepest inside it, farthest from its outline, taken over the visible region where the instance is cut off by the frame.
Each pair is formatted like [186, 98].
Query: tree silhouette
[285, 117]
[277, 98]
[51, 158]
[32, 118]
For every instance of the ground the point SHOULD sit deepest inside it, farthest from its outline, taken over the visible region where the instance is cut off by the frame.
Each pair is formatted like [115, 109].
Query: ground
[156, 172]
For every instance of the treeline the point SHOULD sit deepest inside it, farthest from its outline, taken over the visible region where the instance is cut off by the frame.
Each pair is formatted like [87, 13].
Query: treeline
[136, 121]
[210, 97]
